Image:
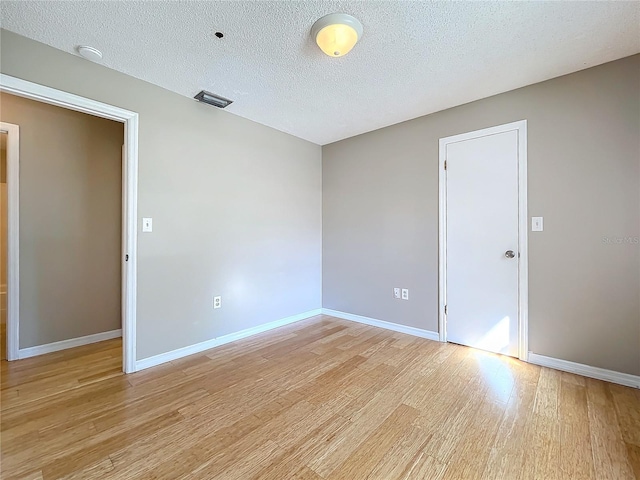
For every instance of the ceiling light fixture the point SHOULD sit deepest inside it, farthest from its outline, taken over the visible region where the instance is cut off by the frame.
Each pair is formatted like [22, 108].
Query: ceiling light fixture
[90, 53]
[211, 99]
[337, 33]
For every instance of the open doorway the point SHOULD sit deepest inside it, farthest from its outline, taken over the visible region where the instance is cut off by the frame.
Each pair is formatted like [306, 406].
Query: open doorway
[128, 260]
[70, 230]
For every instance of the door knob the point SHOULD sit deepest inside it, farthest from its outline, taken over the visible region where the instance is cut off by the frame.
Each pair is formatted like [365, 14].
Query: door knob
[509, 254]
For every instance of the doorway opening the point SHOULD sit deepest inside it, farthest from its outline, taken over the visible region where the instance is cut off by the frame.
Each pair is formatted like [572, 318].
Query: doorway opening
[483, 259]
[128, 211]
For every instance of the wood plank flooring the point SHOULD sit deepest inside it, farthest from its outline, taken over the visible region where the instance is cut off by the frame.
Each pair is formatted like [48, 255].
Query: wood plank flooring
[318, 399]
[3, 335]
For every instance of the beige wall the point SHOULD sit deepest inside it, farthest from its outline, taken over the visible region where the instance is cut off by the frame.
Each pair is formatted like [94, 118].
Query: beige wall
[380, 214]
[3, 219]
[70, 221]
[236, 206]
[3, 245]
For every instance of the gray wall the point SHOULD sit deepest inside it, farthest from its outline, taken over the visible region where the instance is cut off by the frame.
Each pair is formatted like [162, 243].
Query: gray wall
[236, 206]
[380, 214]
[238, 210]
[70, 221]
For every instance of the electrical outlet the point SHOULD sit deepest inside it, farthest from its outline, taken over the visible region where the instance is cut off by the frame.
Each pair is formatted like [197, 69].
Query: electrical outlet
[396, 293]
[405, 294]
[217, 302]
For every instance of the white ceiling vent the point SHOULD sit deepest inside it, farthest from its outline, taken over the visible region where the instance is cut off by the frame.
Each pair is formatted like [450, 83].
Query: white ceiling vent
[211, 99]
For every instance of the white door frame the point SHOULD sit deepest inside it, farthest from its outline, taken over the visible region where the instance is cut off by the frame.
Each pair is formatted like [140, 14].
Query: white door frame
[41, 93]
[523, 262]
[13, 244]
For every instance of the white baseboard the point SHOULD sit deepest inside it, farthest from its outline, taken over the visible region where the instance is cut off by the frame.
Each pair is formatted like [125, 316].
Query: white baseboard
[216, 342]
[64, 344]
[585, 370]
[416, 332]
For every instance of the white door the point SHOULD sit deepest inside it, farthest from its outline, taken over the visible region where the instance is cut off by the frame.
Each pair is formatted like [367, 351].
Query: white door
[482, 242]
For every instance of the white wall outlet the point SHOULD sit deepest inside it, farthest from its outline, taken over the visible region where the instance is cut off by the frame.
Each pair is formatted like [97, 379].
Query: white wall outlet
[396, 293]
[147, 224]
[405, 294]
[536, 224]
[217, 302]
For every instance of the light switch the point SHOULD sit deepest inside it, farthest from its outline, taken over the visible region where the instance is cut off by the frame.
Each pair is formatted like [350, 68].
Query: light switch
[536, 224]
[147, 224]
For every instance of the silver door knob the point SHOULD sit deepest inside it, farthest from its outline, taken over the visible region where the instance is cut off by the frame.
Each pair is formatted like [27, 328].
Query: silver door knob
[509, 254]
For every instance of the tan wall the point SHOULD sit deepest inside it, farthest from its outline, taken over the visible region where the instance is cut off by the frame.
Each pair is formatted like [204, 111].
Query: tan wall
[236, 206]
[380, 214]
[3, 219]
[70, 221]
[3, 245]
[3, 234]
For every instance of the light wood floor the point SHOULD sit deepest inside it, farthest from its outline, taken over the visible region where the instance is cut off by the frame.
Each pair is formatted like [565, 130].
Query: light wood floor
[319, 399]
[3, 336]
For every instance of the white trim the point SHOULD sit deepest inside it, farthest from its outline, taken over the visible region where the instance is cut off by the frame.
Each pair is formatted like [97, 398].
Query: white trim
[216, 342]
[52, 96]
[13, 238]
[585, 370]
[442, 244]
[41, 93]
[130, 234]
[523, 261]
[396, 327]
[71, 343]
[523, 239]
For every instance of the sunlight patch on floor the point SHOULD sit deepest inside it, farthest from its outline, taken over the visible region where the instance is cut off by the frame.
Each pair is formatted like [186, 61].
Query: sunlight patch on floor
[496, 339]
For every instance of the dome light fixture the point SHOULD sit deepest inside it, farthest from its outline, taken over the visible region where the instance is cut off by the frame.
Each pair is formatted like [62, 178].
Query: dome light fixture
[337, 33]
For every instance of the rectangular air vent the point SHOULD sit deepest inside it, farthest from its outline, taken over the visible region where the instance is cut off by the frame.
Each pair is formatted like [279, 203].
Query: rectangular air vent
[211, 99]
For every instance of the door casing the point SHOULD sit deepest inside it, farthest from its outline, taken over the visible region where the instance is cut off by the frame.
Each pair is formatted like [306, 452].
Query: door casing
[13, 240]
[523, 262]
[52, 96]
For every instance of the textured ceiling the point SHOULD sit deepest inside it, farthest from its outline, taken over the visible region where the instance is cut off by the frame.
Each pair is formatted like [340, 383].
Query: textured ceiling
[414, 57]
